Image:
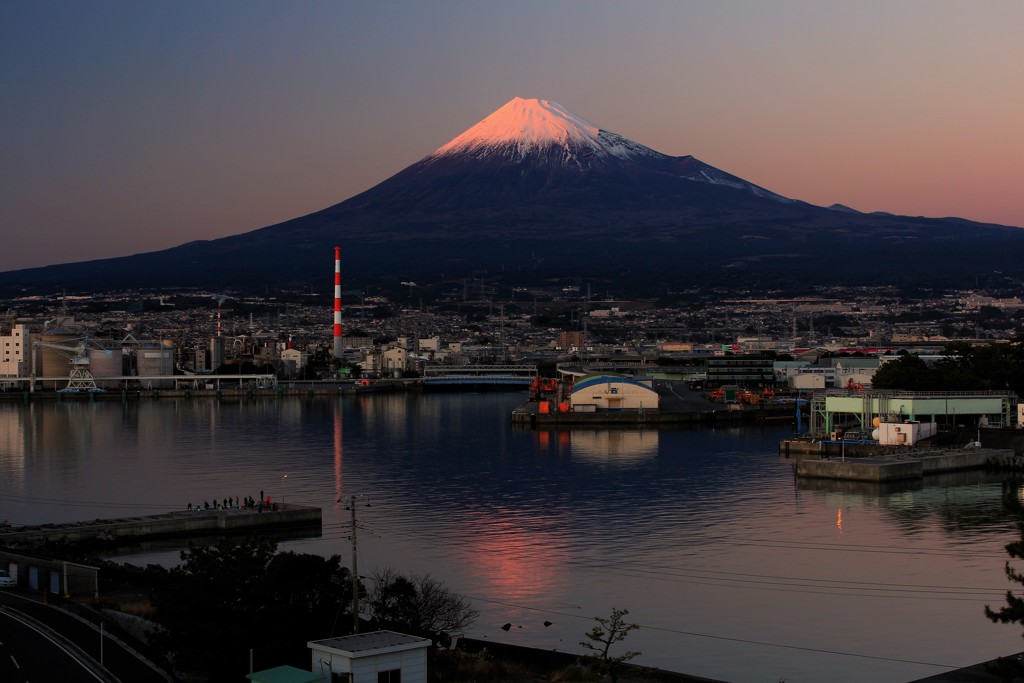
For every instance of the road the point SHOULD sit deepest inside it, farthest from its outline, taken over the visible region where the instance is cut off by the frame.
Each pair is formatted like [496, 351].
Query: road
[84, 635]
[28, 654]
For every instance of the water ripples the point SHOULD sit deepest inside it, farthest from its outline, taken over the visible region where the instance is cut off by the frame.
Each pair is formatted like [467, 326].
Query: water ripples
[732, 566]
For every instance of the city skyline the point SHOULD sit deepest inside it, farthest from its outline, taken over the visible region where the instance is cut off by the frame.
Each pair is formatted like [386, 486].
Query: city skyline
[135, 128]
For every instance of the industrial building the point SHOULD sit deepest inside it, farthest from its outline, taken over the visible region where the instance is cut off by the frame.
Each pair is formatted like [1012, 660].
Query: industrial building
[865, 411]
[598, 393]
[64, 359]
[15, 352]
[745, 371]
[293, 361]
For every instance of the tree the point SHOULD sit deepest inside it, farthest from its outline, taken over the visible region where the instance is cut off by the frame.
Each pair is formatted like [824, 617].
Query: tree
[600, 639]
[418, 605]
[1013, 612]
[227, 599]
[907, 372]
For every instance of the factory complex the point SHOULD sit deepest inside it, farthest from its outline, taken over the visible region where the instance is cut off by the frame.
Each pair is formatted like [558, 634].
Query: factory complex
[735, 348]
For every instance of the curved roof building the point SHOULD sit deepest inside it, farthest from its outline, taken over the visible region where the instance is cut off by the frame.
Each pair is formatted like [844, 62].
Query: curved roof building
[611, 392]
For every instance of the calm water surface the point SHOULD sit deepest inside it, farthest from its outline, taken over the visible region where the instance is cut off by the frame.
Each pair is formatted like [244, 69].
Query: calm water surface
[733, 569]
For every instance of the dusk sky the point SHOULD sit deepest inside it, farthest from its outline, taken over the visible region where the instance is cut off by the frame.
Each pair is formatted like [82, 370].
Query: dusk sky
[133, 126]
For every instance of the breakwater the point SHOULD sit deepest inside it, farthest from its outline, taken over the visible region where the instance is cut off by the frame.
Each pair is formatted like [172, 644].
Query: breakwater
[179, 524]
[231, 393]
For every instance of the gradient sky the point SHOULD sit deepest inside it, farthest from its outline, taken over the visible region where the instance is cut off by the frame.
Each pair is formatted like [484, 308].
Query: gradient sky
[132, 126]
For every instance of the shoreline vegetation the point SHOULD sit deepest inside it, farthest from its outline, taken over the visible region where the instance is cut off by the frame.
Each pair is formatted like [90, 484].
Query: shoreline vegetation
[125, 599]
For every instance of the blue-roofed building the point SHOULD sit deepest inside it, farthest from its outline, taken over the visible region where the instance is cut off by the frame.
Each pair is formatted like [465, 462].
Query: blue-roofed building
[595, 393]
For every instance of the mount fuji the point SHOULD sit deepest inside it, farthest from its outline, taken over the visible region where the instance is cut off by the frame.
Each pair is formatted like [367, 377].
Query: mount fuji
[534, 192]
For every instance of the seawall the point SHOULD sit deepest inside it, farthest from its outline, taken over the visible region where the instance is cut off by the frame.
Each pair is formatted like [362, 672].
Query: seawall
[910, 465]
[170, 525]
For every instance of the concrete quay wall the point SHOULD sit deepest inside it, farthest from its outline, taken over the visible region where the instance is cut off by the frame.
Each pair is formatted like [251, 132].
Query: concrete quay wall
[912, 465]
[168, 525]
[529, 414]
[960, 460]
[859, 470]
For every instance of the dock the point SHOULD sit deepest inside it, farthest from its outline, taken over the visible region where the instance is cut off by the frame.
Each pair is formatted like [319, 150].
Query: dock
[180, 524]
[528, 414]
[902, 466]
[678, 406]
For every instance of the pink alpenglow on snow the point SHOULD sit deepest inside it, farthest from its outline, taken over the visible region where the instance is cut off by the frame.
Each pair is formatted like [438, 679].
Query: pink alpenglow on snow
[525, 125]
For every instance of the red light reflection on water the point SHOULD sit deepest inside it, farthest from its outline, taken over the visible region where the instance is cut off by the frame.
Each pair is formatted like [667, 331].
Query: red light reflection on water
[512, 560]
[337, 455]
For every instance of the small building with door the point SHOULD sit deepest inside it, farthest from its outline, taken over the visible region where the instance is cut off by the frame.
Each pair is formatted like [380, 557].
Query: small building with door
[375, 657]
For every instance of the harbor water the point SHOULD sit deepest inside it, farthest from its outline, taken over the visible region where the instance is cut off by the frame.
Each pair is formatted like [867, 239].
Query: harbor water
[733, 568]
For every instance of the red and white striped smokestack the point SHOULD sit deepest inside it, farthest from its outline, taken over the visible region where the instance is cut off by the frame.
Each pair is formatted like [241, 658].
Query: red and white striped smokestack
[218, 318]
[339, 350]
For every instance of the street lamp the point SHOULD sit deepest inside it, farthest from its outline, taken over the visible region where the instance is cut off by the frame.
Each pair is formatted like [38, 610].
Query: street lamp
[284, 480]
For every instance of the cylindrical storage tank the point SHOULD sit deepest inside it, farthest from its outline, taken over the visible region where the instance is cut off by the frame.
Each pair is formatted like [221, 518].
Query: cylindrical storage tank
[154, 362]
[53, 363]
[105, 363]
[216, 352]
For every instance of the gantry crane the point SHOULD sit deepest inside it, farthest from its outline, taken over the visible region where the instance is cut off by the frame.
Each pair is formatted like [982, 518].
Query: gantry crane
[76, 351]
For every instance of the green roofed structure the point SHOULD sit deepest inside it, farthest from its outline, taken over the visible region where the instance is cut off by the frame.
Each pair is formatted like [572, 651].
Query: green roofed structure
[286, 674]
[966, 408]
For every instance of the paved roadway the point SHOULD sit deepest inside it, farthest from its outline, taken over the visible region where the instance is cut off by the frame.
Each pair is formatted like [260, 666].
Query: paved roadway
[83, 636]
[677, 397]
[27, 654]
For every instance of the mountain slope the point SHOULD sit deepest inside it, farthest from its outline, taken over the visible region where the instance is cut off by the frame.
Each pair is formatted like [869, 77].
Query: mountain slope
[536, 190]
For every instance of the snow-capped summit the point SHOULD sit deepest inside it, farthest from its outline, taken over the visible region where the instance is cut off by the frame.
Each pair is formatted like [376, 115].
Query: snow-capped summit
[526, 126]
[527, 137]
[534, 193]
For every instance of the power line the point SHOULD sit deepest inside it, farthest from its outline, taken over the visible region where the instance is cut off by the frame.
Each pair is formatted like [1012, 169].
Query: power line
[684, 574]
[764, 582]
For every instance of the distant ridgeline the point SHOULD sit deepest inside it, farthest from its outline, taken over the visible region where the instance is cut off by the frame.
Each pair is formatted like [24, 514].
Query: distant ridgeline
[535, 192]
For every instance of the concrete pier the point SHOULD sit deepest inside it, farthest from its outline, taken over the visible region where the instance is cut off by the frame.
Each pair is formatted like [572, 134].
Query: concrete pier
[911, 465]
[528, 413]
[170, 525]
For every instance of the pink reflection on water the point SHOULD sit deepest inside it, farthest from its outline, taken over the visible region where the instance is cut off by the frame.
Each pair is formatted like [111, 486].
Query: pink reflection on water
[512, 557]
[337, 426]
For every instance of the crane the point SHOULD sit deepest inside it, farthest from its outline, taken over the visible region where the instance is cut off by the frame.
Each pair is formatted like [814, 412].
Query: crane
[75, 350]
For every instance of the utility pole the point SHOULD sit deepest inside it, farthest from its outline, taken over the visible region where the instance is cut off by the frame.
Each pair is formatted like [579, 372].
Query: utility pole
[355, 570]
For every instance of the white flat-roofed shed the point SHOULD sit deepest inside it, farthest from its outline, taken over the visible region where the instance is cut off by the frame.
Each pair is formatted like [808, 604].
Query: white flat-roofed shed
[375, 657]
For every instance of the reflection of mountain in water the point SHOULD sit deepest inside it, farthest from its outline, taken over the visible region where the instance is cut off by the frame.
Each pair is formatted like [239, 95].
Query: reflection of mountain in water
[960, 502]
